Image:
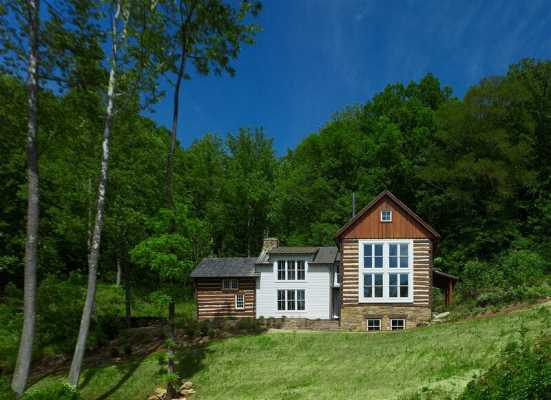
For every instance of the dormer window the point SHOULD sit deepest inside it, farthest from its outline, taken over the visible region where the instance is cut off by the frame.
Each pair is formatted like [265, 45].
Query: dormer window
[386, 216]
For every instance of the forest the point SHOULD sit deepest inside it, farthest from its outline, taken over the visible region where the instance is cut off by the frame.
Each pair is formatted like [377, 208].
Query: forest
[476, 167]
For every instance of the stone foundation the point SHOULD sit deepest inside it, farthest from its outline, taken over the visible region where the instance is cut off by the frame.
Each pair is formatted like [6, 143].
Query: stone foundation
[354, 318]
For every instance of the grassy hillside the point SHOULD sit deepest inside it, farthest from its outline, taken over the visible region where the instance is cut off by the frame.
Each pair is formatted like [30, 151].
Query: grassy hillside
[325, 365]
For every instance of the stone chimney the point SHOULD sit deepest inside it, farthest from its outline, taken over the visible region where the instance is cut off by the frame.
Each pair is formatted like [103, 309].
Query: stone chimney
[269, 244]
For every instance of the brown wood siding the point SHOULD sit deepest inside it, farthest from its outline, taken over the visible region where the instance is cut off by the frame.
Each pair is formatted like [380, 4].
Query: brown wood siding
[212, 301]
[422, 276]
[403, 226]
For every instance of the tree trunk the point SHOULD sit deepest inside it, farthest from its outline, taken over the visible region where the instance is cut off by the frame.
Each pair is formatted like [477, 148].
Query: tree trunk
[170, 159]
[170, 390]
[127, 296]
[93, 256]
[119, 271]
[24, 356]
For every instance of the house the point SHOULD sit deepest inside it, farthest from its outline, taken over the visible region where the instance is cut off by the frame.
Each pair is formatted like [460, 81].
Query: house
[378, 277]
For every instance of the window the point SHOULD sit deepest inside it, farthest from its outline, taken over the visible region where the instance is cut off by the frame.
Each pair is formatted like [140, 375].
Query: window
[373, 285]
[397, 324]
[281, 300]
[301, 270]
[230, 284]
[281, 270]
[291, 300]
[386, 271]
[291, 270]
[398, 285]
[374, 324]
[239, 301]
[386, 216]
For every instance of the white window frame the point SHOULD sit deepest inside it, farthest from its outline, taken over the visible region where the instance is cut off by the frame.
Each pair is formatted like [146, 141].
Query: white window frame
[385, 271]
[397, 319]
[237, 296]
[374, 319]
[286, 299]
[287, 262]
[386, 211]
[232, 284]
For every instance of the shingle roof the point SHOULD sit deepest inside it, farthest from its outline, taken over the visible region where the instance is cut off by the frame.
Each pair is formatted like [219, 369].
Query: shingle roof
[294, 250]
[224, 267]
[326, 255]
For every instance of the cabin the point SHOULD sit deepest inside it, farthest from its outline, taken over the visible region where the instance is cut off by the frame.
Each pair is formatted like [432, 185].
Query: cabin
[379, 276]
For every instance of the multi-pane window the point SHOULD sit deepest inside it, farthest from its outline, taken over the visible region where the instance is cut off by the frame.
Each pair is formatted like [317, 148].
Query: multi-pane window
[386, 216]
[301, 270]
[373, 285]
[281, 270]
[397, 324]
[230, 284]
[374, 324]
[291, 270]
[373, 255]
[398, 285]
[398, 255]
[386, 271]
[291, 300]
[239, 301]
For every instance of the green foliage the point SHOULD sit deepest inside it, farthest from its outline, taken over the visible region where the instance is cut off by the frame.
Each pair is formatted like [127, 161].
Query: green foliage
[57, 391]
[522, 372]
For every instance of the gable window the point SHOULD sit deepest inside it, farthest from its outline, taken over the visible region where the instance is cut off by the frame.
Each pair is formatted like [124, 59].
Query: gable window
[239, 301]
[397, 324]
[291, 300]
[386, 216]
[386, 271]
[291, 270]
[230, 284]
[374, 324]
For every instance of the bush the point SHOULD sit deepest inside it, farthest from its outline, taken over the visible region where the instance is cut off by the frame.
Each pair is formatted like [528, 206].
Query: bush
[57, 391]
[5, 390]
[522, 372]
[523, 267]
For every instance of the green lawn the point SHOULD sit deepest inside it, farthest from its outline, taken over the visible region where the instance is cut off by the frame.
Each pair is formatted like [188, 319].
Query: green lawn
[328, 365]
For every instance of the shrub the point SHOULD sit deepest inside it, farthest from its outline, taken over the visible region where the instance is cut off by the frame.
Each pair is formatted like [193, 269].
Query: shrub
[57, 391]
[522, 372]
[523, 267]
[5, 390]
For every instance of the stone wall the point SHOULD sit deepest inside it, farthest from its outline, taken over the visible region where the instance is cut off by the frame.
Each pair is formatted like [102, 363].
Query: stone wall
[354, 317]
[309, 324]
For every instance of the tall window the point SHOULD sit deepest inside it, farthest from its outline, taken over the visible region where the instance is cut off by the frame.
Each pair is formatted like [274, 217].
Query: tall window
[386, 271]
[291, 300]
[291, 270]
[239, 301]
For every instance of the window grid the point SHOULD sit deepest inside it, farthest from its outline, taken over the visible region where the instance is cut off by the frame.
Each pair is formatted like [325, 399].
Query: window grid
[374, 324]
[386, 271]
[291, 270]
[291, 300]
[386, 216]
[397, 324]
[240, 301]
[230, 284]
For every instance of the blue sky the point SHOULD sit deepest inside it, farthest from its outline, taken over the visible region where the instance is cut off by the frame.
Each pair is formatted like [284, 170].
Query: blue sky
[314, 57]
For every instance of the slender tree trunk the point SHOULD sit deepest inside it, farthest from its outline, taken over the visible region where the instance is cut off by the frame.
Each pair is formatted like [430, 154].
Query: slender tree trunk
[24, 356]
[93, 256]
[170, 159]
[127, 295]
[170, 204]
[119, 271]
[170, 390]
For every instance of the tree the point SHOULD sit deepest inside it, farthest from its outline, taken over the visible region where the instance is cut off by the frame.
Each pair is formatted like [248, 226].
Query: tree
[24, 357]
[118, 14]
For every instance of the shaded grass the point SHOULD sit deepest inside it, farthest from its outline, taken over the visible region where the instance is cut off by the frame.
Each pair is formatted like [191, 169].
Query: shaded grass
[329, 365]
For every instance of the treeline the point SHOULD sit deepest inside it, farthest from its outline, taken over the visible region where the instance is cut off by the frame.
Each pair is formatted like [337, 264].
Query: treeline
[476, 168]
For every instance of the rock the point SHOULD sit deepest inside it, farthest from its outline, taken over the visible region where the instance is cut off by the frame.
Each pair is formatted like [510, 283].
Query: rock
[186, 385]
[153, 397]
[187, 392]
[441, 316]
[160, 392]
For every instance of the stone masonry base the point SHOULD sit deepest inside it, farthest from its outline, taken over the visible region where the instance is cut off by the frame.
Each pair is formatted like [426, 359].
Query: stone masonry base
[354, 318]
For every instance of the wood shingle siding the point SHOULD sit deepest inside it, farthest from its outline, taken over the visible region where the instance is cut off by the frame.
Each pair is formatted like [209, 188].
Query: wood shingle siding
[213, 301]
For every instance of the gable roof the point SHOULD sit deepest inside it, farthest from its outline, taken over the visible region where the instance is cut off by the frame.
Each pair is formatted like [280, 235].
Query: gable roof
[235, 267]
[395, 199]
[321, 255]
